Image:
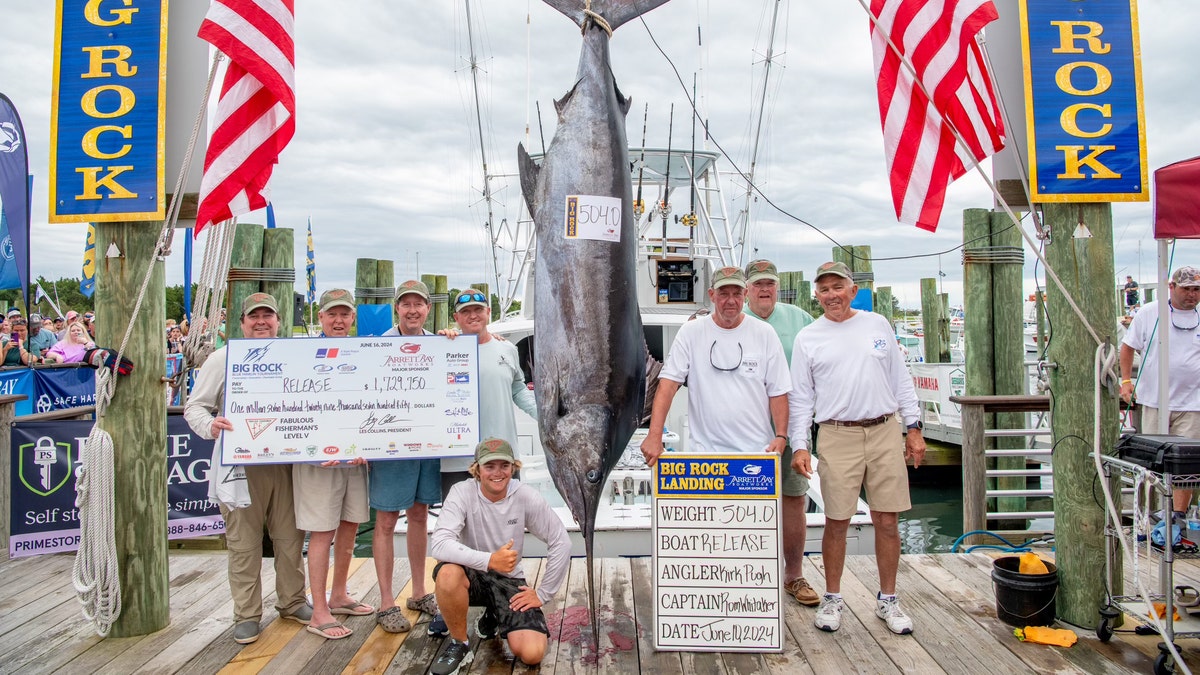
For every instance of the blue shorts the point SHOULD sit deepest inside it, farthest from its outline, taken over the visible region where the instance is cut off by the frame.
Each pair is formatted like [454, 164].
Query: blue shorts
[395, 485]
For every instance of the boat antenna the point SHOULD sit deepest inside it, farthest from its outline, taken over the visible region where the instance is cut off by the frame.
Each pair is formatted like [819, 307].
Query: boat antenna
[541, 131]
[639, 206]
[689, 219]
[665, 206]
[487, 183]
[768, 61]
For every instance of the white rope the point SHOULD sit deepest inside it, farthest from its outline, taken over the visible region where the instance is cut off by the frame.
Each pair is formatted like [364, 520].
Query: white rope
[95, 574]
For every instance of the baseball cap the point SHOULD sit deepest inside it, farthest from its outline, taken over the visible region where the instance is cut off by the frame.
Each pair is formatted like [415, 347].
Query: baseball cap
[838, 268]
[1187, 277]
[470, 298]
[59, 319]
[35, 318]
[761, 269]
[14, 312]
[728, 276]
[72, 315]
[493, 448]
[412, 286]
[256, 300]
[336, 297]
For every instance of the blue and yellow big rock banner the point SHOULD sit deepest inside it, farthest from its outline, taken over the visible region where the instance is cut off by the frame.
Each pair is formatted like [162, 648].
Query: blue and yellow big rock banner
[108, 111]
[1083, 107]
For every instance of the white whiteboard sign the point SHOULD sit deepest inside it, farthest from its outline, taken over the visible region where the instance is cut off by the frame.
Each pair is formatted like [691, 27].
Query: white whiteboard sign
[317, 399]
[717, 542]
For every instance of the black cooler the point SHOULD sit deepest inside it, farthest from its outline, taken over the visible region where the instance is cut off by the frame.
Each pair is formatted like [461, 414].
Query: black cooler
[1161, 453]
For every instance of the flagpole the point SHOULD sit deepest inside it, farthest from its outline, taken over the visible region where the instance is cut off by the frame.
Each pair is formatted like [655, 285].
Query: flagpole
[962, 143]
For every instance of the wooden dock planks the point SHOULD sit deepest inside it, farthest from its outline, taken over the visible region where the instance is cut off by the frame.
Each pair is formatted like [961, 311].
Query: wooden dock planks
[950, 598]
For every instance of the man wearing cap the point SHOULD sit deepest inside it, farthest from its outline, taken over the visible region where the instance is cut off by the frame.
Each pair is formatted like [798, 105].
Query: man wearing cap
[479, 541]
[271, 496]
[1131, 292]
[40, 339]
[1183, 385]
[411, 486]
[333, 502]
[848, 374]
[736, 375]
[501, 382]
[762, 302]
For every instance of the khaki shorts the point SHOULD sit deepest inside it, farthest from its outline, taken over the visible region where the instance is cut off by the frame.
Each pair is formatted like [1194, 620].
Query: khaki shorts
[792, 483]
[853, 457]
[326, 496]
[1184, 423]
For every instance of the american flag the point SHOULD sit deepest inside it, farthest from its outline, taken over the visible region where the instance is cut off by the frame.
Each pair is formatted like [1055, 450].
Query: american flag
[938, 37]
[256, 111]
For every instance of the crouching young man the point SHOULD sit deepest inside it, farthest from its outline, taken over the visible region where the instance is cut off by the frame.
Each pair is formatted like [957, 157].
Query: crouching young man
[479, 538]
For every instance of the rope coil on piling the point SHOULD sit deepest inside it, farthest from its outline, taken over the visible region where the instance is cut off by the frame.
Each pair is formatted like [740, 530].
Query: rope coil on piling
[278, 274]
[994, 255]
[363, 292]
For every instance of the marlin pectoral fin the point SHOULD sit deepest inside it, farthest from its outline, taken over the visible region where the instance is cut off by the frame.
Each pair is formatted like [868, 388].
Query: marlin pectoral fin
[561, 104]
[529, 176]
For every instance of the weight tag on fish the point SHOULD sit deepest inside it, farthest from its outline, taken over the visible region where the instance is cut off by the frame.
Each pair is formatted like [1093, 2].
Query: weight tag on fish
[593, 217]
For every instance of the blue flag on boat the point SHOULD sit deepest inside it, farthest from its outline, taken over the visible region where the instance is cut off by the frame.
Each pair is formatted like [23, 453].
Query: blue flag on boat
[270, 216]
[14, 192]
[87, 284]
[310, 268]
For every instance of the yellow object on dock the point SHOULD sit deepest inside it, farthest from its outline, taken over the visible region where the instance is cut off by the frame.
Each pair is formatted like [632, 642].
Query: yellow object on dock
[1059, 637]
[1032, 564]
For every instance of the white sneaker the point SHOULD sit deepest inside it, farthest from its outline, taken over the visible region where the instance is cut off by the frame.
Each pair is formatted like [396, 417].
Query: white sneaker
[889, 610]
[829, 614]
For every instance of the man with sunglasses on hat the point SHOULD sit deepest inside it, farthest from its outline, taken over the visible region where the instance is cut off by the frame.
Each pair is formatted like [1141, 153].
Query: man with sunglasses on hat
[736, 375]
[271, 504]
[848, 374]
[762, 302]
[501, 384]
[1183, 385]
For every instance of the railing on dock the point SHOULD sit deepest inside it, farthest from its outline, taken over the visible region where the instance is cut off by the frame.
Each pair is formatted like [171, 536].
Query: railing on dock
[977, 450]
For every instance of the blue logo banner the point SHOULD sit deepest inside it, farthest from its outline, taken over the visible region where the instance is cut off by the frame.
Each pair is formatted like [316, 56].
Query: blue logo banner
[14, 197]
[1083, 85]
[19, 382]
[108, 110]
[44, 456]
[62, 387]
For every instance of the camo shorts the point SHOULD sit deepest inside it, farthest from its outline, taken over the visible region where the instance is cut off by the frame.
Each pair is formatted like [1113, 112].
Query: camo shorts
[494, 591]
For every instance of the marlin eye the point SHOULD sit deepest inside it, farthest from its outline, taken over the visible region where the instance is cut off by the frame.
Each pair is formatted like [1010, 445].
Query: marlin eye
[593, 476]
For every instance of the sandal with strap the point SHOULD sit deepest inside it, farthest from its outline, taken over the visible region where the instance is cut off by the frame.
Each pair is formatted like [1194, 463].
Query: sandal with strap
[393, 620]
[426, 603]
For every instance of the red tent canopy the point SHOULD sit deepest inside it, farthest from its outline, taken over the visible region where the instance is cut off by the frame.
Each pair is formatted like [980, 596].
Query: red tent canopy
[1177, 200]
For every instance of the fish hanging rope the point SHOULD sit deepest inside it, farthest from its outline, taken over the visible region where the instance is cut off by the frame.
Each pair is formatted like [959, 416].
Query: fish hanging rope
[95, 575]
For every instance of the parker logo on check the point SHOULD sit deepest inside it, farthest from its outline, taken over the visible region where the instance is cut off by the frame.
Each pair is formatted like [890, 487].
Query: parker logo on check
[257, 427]
[327, 353]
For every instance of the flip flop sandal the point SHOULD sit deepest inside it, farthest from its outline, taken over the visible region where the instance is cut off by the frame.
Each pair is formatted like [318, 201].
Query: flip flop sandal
[426, 603]
[353, 609]
[1186, 596]
[393, 620]
[323, 630]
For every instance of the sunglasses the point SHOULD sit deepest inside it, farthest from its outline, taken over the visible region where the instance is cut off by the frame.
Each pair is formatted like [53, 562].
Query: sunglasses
[470, 297]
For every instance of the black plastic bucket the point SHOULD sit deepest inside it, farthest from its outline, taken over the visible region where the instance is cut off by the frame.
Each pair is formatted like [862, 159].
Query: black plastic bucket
[1024, 599]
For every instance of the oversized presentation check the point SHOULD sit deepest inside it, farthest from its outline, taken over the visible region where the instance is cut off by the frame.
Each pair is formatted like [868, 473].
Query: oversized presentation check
[317, 399]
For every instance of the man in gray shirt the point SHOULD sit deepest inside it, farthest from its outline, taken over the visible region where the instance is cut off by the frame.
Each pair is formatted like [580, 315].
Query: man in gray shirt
[479, 539]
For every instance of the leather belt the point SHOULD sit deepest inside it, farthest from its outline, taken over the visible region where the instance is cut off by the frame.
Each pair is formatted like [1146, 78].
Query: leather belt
[874, 421]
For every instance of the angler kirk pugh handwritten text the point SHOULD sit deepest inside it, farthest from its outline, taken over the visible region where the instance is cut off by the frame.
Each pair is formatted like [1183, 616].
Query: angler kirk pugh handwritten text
[340, 398]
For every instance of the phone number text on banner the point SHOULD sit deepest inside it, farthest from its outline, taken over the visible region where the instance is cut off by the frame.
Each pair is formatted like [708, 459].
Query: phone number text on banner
[317, 399]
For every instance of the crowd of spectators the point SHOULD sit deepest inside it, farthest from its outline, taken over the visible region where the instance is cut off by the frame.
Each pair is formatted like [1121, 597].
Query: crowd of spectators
[39, 339]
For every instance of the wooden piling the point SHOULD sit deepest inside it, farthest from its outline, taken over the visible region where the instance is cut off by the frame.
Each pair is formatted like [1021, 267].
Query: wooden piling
[441, 313]
[385, 277]
[137, 420]
[247, 254]
[439, 302]
[978, 330]
[1086, 268]
[883, 303]
[1008, 340]
[931, 310]
[864, 273]
[278, 253]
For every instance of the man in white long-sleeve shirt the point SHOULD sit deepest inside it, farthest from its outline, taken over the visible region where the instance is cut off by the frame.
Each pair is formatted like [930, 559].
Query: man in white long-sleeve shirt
[848, 374]
[479, 539]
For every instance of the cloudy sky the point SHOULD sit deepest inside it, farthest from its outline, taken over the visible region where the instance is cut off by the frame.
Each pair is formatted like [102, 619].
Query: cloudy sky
[386, 160]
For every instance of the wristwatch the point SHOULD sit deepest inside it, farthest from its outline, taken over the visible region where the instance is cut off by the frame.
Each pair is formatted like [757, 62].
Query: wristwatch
[916, 425]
